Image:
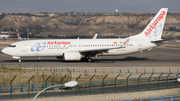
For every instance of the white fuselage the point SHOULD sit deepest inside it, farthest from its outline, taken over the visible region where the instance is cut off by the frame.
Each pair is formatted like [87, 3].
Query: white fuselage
[59, 46]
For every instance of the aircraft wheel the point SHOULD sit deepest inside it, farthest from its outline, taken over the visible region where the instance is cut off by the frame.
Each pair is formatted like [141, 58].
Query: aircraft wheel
[89, 60]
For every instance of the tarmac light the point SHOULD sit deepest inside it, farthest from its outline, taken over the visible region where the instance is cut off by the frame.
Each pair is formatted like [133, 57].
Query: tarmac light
[69, 84]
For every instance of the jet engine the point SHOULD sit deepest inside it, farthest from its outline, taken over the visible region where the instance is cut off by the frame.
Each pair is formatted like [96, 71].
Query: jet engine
[72, 56]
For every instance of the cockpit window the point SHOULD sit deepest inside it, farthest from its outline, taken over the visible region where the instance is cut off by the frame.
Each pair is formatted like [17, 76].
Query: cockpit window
[12, 46]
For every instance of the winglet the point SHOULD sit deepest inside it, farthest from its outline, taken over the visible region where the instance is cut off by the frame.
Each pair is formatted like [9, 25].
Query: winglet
[95, 36]
[126, 42]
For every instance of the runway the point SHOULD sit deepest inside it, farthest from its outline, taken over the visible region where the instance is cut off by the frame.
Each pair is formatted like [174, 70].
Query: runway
[162, 56]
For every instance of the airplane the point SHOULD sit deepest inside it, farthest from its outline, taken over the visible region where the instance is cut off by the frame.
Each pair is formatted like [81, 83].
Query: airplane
[84, 49]
[5, 36]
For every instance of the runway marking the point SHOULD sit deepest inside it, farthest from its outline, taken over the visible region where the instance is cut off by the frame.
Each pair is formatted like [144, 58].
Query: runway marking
[94, 65]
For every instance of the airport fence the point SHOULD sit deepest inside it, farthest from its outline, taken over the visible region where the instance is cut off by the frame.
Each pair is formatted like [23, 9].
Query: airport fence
[24, 87]
[16, 79]
[126, 85]
[97, 70]
[102, 70]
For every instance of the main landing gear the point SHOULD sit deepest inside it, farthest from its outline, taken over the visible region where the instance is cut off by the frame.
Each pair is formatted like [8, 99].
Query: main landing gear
[87, 59]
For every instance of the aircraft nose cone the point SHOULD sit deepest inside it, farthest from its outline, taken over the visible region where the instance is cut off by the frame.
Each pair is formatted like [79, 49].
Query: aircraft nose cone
[5, 51]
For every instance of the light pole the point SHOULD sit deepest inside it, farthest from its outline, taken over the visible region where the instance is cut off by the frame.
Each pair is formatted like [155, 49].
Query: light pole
[70, 84]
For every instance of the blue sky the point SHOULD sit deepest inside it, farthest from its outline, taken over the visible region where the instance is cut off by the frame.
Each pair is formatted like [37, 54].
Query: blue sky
[60, 6]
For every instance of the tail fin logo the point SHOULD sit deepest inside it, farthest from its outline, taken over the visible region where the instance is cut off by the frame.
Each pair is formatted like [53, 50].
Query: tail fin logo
[157, 31]
[153, 25]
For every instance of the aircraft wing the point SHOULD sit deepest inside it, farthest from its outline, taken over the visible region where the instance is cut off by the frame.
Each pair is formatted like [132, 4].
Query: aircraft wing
[96, 51]
[101, 50]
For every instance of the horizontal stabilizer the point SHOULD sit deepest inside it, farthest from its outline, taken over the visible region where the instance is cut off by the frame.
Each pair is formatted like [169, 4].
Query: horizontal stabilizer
[162, 40]
[157, 41]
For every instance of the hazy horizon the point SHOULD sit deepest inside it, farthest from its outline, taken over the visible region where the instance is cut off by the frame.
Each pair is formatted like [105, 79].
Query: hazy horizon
[94, 6]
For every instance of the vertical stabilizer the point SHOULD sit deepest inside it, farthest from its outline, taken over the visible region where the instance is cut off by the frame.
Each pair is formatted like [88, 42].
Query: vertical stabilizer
[154, 29]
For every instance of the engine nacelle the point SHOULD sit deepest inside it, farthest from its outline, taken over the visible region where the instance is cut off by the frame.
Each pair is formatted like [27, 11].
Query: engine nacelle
[72, 56]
